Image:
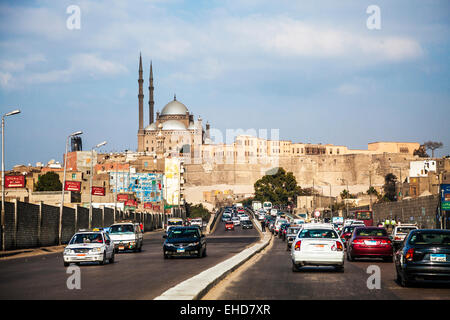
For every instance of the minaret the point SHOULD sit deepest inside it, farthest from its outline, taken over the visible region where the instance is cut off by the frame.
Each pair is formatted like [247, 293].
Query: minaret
[151, 102]
[141, 96]
[141, 108]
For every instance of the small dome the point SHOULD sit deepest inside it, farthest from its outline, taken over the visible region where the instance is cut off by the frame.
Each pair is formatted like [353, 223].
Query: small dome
[151, 127]
[174, 108]
[173, 125]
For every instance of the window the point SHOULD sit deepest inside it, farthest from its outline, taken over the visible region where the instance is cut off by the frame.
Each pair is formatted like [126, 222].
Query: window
[74, 175]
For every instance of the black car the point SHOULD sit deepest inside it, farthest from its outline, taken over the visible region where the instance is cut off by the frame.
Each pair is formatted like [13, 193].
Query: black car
[246, 224]
[184, 241]
[424, 255]
[283, 228]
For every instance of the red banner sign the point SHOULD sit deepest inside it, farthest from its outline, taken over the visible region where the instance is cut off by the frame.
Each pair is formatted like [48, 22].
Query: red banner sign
[73, 186]
[131, 203]
[122, 197]
[15, 181]
[147, 205]
[98, 191]
[156, 208]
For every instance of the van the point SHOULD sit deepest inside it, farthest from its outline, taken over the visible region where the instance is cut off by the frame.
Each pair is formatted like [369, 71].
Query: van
[173, 222]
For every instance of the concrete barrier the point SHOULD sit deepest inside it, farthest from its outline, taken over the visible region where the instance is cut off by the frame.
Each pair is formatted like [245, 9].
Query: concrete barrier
[196, 287]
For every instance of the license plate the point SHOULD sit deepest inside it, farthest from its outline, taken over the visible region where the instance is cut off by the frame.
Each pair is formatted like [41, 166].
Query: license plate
[180, 250]
[121, 247]
[370, 243]
[438, 257]
[81, 255]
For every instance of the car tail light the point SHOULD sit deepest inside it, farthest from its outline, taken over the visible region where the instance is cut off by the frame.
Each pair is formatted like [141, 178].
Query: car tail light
[339, 246]
[398, 238]
[385, 242]
[409, 255]
[298, 245]
[358, 241]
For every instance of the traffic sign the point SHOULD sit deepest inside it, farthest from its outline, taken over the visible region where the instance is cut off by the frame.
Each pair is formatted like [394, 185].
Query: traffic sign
[317, 214]
[445, 197]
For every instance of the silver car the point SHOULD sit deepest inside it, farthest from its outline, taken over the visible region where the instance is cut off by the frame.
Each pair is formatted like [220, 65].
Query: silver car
[291, 234]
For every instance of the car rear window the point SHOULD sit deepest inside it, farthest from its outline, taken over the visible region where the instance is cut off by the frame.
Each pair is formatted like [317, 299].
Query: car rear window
[318, 233]
[405, 229]
[371, 232]
[430, 237]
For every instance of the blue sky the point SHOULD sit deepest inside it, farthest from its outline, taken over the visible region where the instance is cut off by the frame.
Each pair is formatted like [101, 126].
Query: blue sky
[311, 69]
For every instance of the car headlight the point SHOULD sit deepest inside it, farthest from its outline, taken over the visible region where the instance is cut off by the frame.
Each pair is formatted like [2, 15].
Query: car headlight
[96, 250]
[67, 251]
[193, 244]
[168, 245]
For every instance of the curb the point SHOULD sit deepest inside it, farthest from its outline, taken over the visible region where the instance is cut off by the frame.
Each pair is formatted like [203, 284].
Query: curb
[196, 287]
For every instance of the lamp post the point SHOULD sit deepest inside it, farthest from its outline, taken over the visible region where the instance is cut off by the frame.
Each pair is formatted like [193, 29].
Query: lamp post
[61, 206]
[90, 180]
[348, 192]
[3, 175]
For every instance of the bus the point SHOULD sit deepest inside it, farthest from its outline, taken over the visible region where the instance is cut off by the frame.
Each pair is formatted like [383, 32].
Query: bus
[364, 215]
[267, 206]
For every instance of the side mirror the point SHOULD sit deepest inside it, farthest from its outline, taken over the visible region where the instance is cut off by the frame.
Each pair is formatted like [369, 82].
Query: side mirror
[108, 242]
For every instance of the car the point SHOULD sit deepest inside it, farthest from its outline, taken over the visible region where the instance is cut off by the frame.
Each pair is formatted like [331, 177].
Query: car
[346, 233]
[229, 225]
[173, 222]
[197, 222]
[291, 234]
[424, 255]
[400, 232]
[126, 236]
[89, 246]
[226, 217]
[278, 222]
[184, 241]
[319, 245]
[370, 242]
[246, 224]
[236, 221]
[281, 233]
[244, 217]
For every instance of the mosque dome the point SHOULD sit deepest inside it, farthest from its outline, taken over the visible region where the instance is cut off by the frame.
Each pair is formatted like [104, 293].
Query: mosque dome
[173, 125]
[174, 108]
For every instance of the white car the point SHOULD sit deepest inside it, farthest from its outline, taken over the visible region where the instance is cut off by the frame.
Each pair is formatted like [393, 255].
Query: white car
[127, 236]
[318, 245]
[89, 246]
[244, 217]
[197, 222]
[236, 221]
[261, 216]
[401, 231]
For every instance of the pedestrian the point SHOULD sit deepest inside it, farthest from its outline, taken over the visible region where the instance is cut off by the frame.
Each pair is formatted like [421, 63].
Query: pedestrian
[263, 226]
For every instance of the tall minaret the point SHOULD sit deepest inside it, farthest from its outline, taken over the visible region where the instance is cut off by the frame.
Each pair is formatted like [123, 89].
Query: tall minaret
[141, 108]
[141, 96]
[151, 102]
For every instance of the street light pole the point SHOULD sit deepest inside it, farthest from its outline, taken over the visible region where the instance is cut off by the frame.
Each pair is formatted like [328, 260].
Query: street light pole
[3, 177]
[61, 206]
[90, 180]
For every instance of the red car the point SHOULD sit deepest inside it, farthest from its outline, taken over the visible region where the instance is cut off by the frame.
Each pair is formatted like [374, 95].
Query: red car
[370, 242]
[229, 225]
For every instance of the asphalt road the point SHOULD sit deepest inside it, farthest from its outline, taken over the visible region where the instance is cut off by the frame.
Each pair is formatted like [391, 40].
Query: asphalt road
[142, 275]
[271, 278]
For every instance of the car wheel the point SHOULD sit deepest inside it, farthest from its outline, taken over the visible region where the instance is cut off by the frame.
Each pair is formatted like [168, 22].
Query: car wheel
[165, 256]
[295, 268]
[204, 253]
[66, 264]
[111, 260]
[339, 268]
[349, 257]
[104, 259]
[404, 281]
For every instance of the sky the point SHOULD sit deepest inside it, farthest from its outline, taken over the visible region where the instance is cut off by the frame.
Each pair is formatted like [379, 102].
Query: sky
[316, 70]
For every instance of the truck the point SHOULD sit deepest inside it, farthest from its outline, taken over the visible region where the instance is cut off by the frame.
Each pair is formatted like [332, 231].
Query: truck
[256, 205]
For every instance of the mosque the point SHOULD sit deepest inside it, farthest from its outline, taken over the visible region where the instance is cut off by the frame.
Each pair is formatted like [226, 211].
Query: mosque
[174, 131]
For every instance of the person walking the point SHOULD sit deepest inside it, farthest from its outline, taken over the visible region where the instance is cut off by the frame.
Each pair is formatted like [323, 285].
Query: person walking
[263, 226]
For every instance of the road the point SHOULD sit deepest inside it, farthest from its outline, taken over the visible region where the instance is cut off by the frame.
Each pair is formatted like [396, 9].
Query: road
[271, 278]
[143, 275]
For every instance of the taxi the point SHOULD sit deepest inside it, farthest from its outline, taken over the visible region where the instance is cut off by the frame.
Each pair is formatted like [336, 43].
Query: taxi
[89, 246]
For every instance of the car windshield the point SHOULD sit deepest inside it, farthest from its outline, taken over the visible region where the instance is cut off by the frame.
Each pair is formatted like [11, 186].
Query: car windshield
[371, 232]
[405, 229]
[183, 233]
[121, 228]
[293, 230]
[175, 223]
[430, 237]
[318, 233]
[86, 238]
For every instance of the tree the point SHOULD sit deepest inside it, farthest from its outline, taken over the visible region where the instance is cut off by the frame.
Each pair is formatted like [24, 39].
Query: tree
[421, 152]
[389, 187]
[277, 186]
[433, 146]
[48, 182]
[197, 211]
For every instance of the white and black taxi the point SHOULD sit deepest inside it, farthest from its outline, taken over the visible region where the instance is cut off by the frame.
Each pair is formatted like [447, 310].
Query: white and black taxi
[89, 246]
